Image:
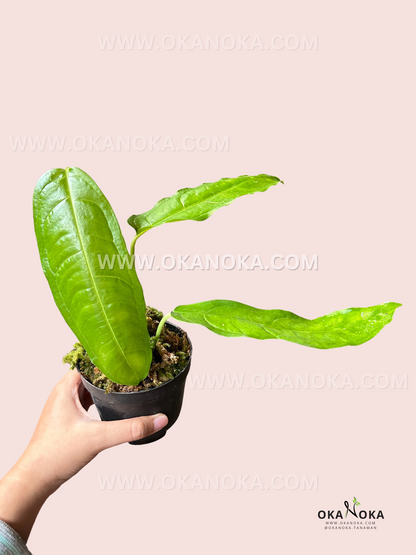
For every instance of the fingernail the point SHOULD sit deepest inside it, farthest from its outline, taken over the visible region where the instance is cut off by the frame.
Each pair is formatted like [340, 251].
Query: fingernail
[160, 422]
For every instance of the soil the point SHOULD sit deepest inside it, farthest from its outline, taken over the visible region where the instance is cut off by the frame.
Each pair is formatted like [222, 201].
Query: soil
[170, 356]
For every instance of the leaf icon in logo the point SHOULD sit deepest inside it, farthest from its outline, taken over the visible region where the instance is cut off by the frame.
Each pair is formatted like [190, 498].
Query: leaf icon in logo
[355, 502]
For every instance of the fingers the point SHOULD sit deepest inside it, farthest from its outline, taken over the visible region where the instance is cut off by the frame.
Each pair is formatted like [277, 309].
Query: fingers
[70, 380]
[72, 377]
[73, 382]
[121, 431]
[73, 390]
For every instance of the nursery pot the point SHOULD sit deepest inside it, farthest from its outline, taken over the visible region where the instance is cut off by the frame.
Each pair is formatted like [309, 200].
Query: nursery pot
[166, 398]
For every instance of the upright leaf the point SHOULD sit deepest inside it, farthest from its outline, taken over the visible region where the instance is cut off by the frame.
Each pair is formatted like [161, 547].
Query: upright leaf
[200, 202]
[76, 228]
[351, 326]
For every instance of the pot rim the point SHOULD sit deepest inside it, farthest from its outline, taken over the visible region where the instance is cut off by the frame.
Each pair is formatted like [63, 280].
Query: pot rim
[168, 324]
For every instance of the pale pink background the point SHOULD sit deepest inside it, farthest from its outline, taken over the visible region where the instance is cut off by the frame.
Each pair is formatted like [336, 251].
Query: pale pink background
[337, 124]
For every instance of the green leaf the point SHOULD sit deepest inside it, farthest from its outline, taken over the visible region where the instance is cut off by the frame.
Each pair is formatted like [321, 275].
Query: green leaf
[200, 202]
[105, 308]
[352, 326]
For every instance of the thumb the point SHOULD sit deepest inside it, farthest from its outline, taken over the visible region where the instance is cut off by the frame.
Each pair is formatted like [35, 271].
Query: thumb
[115, 432]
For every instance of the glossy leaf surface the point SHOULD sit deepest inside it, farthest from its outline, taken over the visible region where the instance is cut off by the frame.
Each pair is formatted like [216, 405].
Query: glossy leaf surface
[352, 326]
[199, 203]
[75, 226]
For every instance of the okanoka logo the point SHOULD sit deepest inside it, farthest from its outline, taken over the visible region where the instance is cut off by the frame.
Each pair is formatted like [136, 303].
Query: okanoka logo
[355, 502]
[351, 511]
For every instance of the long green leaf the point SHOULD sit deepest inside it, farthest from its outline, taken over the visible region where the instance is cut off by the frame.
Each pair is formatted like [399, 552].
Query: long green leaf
[200, 202]
[352, 326]
[105, 308]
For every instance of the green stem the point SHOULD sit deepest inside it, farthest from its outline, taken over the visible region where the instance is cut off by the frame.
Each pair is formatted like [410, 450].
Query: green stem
[159, 329]
[133, 243]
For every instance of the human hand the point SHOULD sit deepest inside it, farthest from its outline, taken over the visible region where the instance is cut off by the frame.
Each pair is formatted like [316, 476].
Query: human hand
[66, 438]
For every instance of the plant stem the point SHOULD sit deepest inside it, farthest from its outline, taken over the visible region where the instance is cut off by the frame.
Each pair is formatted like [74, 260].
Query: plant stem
[160, 327]
[133, 243]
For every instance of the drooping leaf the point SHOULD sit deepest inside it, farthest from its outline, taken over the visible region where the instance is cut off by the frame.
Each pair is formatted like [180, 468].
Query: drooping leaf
[76, 228]
[199, 203]
[352, 326]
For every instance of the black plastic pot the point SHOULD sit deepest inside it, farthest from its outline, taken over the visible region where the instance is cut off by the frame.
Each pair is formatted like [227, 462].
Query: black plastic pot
[166, 398]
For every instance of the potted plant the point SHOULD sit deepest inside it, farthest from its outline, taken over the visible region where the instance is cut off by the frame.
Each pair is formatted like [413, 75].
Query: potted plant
[132, 361]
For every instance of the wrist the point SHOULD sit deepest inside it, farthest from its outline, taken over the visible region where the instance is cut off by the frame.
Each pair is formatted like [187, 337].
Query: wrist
[22, 495]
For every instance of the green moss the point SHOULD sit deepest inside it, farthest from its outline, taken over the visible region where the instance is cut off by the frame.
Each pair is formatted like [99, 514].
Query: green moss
[170, 356]
[78, 358]
[153, 313]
